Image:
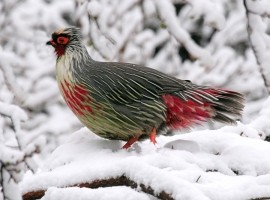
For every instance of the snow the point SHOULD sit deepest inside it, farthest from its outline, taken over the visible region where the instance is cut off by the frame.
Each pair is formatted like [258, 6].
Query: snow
[261, 8]
[213, 12]
[166, 13]
[261, 121]
[205, 41]
[94, 8]
[15, 112]
[9, 77]
[218, 164]
[258, 36]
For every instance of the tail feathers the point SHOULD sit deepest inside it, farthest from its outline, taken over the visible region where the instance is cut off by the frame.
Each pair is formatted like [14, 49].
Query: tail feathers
[227, 106]
[198, 104]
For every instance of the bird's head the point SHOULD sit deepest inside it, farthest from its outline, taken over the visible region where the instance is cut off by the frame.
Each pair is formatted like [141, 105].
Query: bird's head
[66, 39]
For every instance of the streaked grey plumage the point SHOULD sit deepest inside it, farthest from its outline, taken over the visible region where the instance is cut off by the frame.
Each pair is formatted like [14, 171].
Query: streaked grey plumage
[124, 101]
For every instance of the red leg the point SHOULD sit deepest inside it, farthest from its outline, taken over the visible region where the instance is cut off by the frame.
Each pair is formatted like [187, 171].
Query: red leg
[152, 136]
[130, 142]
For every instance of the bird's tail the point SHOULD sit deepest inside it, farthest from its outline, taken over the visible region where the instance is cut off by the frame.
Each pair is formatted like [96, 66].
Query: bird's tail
[227, 106]
[201, 104]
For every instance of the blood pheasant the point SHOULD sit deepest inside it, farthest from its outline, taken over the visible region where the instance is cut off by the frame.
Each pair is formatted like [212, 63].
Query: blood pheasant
[129, 102]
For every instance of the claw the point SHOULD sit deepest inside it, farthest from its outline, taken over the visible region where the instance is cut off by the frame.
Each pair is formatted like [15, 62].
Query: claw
[153, 135]
[130, 142]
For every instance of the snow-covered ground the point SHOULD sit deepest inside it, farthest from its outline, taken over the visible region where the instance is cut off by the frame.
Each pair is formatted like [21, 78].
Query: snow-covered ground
[218, 164]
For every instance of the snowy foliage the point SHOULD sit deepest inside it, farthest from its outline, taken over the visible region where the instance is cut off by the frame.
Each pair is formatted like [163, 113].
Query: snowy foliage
[221, 43]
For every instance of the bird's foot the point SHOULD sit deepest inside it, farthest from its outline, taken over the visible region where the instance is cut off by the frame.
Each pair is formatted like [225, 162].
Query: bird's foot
[130, 142]
[153, 135]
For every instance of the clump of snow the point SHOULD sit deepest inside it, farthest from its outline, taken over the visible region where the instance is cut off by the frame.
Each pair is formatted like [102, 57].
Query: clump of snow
[15, 153]
[213, 12]
[186, 145]
[94, 8]
[258, 37]
[261, 122]
[221, 165]
[166, 11]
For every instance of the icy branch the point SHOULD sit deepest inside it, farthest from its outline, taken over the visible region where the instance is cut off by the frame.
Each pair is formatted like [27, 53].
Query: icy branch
[258, 38]
[167, 14]
[97, 45]
[12, 164]
[14, 159]
[210, 11]
[256, 7]
[14, 112]
[11, 82]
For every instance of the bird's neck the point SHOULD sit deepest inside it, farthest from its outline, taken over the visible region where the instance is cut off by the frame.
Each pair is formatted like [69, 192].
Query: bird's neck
[64, 70]
[74, 55]
[71, 62]
[67, 66]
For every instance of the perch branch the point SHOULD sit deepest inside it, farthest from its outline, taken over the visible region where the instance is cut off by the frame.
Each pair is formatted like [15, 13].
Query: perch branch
[111, 182]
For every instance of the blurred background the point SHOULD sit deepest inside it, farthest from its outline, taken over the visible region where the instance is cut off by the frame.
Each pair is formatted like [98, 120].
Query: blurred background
[218, 43]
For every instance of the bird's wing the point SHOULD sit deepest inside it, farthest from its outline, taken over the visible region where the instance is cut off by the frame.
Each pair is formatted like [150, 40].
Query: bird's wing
[124, 83]
[133, 94]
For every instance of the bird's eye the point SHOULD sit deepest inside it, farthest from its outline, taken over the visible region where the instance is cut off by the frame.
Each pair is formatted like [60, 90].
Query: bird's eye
[62, 40]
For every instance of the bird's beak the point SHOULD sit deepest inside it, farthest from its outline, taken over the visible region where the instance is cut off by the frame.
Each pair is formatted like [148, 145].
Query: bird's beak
[51, 42]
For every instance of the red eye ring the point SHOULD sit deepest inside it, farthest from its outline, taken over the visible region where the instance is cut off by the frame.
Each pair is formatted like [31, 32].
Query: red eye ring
[62, 40]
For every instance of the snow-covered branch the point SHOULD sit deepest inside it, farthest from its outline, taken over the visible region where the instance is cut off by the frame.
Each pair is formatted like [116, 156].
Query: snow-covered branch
[183, 163]
[256, 7]
[10, 80]
[258, 38]
[211, 11]
[14, 158]
[167, 14]
[109, 182]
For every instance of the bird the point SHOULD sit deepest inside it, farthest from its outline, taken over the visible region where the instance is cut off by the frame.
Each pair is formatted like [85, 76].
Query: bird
[130, 102]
